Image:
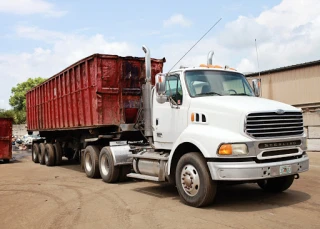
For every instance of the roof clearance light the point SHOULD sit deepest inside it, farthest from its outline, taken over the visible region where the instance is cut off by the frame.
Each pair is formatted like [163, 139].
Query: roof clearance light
[203, 65]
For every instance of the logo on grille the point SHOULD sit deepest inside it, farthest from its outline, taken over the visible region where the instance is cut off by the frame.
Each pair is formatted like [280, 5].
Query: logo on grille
[280, 111]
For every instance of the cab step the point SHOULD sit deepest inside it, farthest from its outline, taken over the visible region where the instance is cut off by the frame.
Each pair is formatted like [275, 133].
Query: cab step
[143, 177]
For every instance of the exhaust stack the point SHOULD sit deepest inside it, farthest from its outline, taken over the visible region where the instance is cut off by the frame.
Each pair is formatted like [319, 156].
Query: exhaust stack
[146, 95]
[209, 58]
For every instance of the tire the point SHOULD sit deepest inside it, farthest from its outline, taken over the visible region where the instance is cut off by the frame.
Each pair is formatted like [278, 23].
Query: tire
[91, 162]
[6, 161]
[193, 180]
[49, 155]
[35, 153]
[109, 172]
[276, 185]
[124, 170]
[42, 149]
[58, 153]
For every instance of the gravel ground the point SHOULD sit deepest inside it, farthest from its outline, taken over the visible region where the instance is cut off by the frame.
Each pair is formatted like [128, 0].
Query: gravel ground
[36, 196]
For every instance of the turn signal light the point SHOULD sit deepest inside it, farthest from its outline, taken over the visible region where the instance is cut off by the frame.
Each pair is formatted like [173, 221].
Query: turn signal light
[192, 117]
[225, 149]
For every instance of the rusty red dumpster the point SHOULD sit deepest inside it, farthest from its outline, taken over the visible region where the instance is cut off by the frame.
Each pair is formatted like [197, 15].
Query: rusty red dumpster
[5, 139]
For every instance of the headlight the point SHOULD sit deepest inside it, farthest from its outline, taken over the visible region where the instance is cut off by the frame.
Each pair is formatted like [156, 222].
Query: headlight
[233, 149]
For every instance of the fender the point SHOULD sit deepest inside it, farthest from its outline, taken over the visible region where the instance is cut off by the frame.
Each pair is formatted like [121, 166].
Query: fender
[207, 139]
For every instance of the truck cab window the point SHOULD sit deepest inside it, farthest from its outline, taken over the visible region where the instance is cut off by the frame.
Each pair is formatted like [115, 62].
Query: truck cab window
[174, 89]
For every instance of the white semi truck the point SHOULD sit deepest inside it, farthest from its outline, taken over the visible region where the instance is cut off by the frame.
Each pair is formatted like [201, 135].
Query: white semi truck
[203, 126]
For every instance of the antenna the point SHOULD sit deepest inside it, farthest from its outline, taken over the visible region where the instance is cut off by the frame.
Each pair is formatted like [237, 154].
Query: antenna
[195, 44]
[255, 41]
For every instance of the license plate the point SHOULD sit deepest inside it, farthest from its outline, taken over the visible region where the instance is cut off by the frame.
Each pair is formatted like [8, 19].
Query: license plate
[285, 169]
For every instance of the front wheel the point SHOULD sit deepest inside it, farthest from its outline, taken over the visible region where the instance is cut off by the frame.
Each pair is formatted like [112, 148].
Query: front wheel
[278, 184]
[193, 180]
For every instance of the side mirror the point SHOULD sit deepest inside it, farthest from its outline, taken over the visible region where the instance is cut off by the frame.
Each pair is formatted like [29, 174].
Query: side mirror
[256, 87]
[161, 87]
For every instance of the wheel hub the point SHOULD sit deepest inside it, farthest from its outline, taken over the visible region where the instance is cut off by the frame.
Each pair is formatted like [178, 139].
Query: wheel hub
[104, 165]
[88, 162]
[190, 180]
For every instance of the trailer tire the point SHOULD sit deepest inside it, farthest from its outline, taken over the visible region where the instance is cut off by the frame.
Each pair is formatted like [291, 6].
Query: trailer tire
[109, 172]
[124, 170]
[49, 155]
[35, 153]
[193, 180]
[42, 149]
[91, 161]
[58, 153]
[276, 185]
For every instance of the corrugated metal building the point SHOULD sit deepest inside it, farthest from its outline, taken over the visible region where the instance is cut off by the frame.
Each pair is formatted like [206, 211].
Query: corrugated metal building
[298, 85]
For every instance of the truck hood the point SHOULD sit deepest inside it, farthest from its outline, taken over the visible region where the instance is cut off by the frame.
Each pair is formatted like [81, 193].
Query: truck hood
[240, 104]
[229, 112]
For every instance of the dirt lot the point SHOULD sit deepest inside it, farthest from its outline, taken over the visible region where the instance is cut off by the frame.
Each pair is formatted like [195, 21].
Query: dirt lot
[36, 196]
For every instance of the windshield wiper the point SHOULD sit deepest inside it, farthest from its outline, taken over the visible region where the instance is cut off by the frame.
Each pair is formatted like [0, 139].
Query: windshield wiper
[242, 94]
[209, 93]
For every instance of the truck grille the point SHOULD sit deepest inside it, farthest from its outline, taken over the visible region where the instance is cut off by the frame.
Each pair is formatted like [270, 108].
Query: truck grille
[272, 125]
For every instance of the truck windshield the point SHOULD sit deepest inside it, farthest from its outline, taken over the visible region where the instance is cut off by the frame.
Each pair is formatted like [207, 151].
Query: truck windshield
[217, 83]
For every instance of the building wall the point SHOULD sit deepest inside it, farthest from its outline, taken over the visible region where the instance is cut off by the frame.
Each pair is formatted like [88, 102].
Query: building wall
[296, 87]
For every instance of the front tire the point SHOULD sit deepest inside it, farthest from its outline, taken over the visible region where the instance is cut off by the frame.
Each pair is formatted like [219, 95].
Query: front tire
[91, 161]
[278, 184]
[193, 180]
[108, 171]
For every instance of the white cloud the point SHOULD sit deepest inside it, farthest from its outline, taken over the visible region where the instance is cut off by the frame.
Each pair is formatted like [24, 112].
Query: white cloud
[177, 19]
[286, 34]
[65, 49]
[25, 7]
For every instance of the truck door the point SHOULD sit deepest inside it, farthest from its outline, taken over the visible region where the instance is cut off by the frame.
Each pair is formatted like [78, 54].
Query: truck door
[168, 117]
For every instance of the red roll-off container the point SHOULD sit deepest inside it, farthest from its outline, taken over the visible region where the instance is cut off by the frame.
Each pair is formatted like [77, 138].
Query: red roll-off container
[5, 138]
[99, 90]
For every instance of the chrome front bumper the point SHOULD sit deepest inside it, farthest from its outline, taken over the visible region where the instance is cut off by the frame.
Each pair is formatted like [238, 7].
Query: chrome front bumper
[238, 171]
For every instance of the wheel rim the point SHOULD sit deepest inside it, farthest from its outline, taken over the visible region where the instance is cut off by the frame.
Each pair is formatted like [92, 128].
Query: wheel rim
[190, 180]
[104, 163]
[88, 162]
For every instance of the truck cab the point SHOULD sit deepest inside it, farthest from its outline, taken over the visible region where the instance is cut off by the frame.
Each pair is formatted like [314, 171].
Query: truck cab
[217, 129]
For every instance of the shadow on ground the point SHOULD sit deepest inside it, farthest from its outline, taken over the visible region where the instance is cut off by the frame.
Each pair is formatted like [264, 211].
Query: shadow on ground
[237, 198]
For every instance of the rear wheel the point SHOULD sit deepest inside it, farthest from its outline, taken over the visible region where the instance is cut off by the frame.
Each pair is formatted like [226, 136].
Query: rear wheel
[58, 153]
[6, 161]
[91, 161]
[108, 171]
[193, 180]
[35, 153]
[278, 184]
[49, 155]
[42, 149]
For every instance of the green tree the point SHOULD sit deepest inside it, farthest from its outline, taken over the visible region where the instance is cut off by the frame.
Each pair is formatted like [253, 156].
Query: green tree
[18, 98]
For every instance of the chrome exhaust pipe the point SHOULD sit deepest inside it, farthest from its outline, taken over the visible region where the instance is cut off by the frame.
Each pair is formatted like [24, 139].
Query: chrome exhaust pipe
[146, 95]
[209, 58]
[147, 63]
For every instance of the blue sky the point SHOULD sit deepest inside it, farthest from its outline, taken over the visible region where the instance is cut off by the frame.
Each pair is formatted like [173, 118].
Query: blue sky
[41, 37]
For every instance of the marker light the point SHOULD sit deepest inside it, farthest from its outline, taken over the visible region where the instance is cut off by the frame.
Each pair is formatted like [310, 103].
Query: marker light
[192, 117]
